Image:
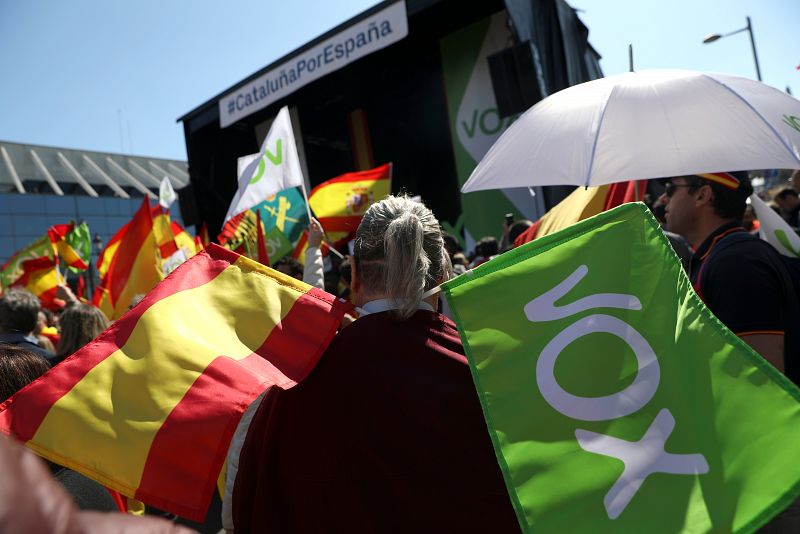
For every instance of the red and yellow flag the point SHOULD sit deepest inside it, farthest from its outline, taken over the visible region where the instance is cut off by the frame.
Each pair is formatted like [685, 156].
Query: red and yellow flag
[41, 277]
[149, 407]
[133, 268]
[104, 261]
[581, 204]
[35, 268]
[69, 257]
[137, 258]
[340, 202]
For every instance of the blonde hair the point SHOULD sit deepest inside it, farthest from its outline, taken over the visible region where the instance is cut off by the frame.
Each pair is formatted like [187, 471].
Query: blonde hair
[399, 251]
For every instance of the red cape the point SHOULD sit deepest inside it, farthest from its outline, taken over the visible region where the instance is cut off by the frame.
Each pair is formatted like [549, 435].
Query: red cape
[387, 433]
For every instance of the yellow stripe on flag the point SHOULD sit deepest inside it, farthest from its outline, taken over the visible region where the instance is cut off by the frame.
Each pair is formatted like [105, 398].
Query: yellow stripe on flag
[149, 407]
[106, 257]
[67, 253]
[40, 282]
[134, 389]
[347, 198]
[579, 205]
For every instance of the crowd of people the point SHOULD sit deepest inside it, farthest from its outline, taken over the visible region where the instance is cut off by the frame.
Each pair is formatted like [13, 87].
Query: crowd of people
[373, 466]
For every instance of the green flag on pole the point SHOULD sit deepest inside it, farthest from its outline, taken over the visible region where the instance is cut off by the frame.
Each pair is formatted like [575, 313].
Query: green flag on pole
[615, 400]
[80, 239]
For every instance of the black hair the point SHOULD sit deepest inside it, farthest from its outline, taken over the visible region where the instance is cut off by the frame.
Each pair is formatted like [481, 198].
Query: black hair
[516, 229]
[18, 368]
[19, 311]
[295, 267]
[487, 246]
[727, 203]
[786, 192]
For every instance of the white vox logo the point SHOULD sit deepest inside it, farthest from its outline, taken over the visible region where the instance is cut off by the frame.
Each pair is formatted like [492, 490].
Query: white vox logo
[641, 458]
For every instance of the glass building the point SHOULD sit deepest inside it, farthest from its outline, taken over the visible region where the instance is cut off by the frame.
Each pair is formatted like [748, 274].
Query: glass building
[42, 186]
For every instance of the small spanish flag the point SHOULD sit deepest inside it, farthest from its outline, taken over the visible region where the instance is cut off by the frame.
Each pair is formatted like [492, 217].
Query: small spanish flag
[149, 407]
[339, 203]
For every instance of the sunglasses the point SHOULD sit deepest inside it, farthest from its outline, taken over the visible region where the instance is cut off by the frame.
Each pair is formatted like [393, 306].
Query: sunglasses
[671, 188]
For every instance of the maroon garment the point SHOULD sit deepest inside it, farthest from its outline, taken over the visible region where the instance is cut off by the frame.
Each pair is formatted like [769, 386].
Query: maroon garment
[386, 434]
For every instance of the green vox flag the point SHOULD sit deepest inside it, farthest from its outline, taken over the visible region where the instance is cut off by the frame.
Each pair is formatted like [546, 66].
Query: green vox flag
[80, 239]
[615, 400]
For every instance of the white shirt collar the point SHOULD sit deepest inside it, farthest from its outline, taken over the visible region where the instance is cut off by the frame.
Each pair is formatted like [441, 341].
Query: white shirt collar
[382, 305]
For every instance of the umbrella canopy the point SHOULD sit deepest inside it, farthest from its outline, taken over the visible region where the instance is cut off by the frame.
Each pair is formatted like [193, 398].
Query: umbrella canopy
[647, 124]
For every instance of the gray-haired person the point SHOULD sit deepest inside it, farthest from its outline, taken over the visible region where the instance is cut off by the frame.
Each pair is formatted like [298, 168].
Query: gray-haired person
[387, 432]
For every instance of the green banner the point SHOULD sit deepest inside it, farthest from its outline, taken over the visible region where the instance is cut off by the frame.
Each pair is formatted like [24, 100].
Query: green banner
[475, 124]
[14, 268]
[284, 217]
[616, 401]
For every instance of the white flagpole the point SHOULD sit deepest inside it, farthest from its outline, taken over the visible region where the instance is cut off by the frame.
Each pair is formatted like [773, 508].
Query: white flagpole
[308, 210]
[305, 197]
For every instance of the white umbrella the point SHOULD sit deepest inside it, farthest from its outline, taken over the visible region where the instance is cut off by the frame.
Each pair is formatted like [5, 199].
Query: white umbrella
[647, 124]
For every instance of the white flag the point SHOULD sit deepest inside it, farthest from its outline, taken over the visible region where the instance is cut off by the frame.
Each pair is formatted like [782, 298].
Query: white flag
[166, 194]
[274, 169]
[775, 230]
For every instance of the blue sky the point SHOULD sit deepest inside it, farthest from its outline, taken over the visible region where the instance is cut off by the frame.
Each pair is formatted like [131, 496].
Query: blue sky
[73, 72]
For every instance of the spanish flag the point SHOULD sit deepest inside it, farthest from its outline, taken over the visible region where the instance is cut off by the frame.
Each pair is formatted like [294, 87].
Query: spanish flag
[149, 407]
[339, 203]
[35, 268]
[133, 269]
[137, 257]
[15, 267]
[72, 244]
[41, 277]
[104, 261]
[581, 204]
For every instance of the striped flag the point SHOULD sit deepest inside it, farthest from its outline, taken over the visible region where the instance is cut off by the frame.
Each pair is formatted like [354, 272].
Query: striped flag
[104, 261]
[66, 253]
[581, 204]
[20, 262]
[339, 203]
[41, 277]
[149, 407]
[133, 268]
[36, 267]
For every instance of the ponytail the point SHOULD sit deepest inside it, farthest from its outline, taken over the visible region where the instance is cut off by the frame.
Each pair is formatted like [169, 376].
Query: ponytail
[400, 251]
[407, 263]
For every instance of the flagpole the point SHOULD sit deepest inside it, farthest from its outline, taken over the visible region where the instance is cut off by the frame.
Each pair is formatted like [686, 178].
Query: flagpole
[305, 197]
[308, 211]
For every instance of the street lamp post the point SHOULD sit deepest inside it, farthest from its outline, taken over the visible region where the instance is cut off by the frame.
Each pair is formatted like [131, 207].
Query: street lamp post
[749, 29]
[97, 247]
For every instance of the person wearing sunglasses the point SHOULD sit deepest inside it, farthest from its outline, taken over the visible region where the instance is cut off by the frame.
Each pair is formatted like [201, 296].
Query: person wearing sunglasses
[741, 278]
